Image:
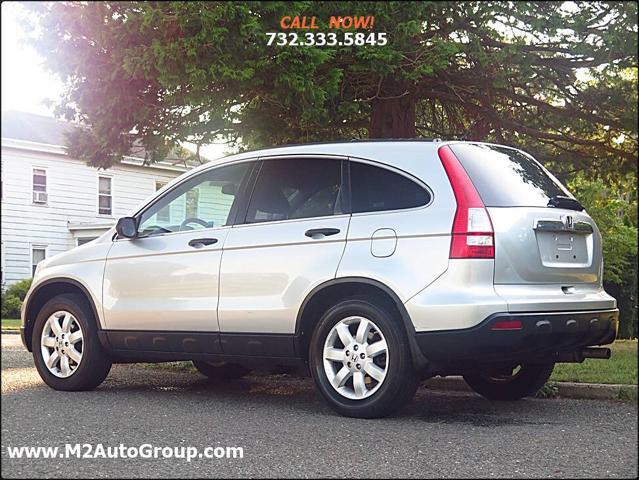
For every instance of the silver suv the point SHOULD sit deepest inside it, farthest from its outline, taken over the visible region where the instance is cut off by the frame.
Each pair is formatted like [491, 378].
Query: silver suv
[374, 264]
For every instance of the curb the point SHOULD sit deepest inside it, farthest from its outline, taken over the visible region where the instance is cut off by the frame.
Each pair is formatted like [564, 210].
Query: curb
[593, 391]
[596, 391]
[11, 332]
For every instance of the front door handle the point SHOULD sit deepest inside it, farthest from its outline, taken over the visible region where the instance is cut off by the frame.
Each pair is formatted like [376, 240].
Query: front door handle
[202, 242]
[321, 232]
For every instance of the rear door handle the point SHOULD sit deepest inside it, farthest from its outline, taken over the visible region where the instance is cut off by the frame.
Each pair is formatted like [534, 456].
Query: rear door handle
[321, 232]
[202, 242]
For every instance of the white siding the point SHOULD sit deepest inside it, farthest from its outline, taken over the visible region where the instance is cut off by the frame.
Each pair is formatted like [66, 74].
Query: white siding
[214, 205]
[72, 189]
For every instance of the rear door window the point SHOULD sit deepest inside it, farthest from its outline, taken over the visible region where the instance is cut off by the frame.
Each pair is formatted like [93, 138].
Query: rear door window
[296, 188]
[375, 189]
[507, 178]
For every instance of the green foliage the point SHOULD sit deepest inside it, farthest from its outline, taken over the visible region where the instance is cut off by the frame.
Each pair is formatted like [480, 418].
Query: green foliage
[20, 289]
[613, 206]
[627, 394]
[549, 390]
[10, 306]
[558, 78]
[13, 297]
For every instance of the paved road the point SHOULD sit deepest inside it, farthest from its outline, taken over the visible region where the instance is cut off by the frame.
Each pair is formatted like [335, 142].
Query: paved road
[286, 430]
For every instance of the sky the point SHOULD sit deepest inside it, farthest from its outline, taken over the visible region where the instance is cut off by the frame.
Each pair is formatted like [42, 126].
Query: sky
[26, 84]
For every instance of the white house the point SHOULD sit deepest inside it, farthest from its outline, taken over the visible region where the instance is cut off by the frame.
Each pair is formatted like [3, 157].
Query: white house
[51, 202]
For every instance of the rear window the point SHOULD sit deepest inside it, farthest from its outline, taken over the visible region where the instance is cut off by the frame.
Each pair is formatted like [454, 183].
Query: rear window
[505, 177]
[376, 189]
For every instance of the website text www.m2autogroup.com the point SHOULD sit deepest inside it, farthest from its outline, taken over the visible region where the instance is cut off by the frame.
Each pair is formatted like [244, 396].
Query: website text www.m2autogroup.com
[144, 451]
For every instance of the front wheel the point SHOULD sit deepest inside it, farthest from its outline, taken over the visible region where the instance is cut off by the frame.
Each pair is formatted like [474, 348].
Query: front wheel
[509, 382]
[360, 360]
[66, 348]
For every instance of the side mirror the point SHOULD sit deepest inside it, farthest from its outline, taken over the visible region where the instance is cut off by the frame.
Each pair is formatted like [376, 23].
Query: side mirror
[127, 227]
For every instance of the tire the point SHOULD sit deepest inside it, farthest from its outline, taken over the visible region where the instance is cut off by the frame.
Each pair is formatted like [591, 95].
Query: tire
[220, 371]
[374, 398]
[526, 382]
[94, 363]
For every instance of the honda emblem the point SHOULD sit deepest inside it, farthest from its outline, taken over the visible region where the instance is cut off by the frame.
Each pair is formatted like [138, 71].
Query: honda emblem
[569, 222]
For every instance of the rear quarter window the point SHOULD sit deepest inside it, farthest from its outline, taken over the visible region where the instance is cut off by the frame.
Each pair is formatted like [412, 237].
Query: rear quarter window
[505, 177]
[375, 189]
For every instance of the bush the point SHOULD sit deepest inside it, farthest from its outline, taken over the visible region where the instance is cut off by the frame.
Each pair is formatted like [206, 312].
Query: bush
[13, 297]
[20, 288]
[614, 207]
[10, 306]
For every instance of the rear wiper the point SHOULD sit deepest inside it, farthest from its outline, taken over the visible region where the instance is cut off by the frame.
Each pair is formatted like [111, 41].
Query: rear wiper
[561, 201]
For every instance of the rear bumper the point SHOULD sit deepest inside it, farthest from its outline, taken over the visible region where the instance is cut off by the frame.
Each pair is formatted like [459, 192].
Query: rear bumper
[542, 336]
[465, 295]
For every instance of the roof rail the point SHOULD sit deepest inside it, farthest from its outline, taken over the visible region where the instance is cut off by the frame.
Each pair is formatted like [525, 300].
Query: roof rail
[353, 140]
[395, 140]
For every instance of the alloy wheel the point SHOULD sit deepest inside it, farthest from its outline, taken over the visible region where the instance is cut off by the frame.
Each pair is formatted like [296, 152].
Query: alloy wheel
[355, 357]
[62, 344]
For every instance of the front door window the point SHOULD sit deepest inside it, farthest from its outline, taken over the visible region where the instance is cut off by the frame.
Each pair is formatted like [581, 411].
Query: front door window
[204, 201]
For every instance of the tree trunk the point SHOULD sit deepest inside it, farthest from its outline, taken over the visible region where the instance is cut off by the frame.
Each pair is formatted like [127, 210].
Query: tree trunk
[479, 129]
[393, 118]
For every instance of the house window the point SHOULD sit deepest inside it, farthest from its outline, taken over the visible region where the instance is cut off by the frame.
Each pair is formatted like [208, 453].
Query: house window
[164, 215]
[83, 240]
[39, 185]
[105, 200]
[38, 253]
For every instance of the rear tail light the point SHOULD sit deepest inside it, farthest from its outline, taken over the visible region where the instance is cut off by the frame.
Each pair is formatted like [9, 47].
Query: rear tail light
[472, 234]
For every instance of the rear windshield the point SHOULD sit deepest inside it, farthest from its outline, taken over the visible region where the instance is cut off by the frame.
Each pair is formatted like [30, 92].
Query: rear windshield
[505, 177]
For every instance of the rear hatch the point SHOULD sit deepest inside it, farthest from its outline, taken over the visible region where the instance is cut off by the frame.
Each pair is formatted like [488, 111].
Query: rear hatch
[542, 235]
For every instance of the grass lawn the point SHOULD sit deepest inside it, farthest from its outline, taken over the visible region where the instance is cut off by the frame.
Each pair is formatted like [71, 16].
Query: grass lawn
[10, 324]
[620, 368]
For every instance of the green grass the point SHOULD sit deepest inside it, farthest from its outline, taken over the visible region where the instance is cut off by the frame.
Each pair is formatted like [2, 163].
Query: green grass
[10, 324]
[621, 368]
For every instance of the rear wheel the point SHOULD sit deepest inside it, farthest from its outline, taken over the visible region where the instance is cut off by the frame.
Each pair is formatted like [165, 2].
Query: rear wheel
[66, 348]
[360, 360]
[510, 382]
[220, 371]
